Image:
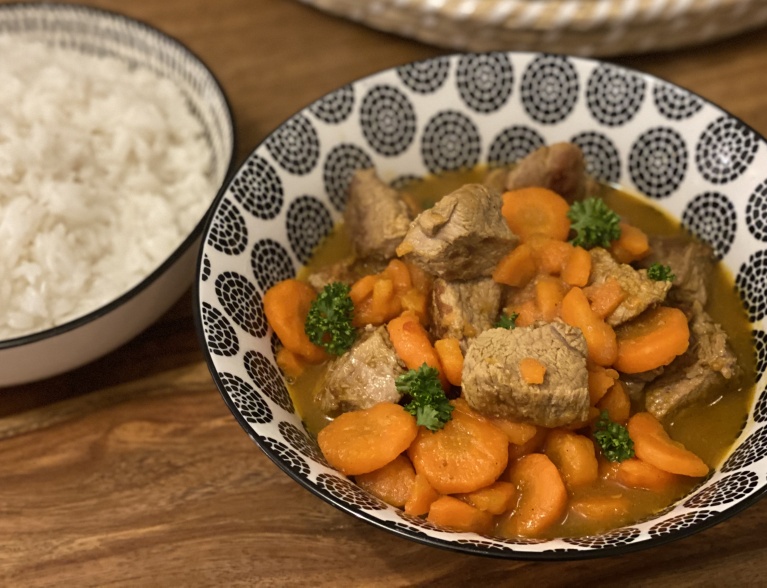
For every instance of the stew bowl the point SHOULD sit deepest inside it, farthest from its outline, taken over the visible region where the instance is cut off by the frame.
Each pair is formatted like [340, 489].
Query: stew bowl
[140, 58]
[684, 154]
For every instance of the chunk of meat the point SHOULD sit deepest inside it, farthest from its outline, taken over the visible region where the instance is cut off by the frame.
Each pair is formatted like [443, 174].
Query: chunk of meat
[692, 263]
[692, 377]
[641, 291]
[559, 167]
[463, 310]
[347, 271]
[362, 377]
[493, 385]
[462, 237]
[376, 216]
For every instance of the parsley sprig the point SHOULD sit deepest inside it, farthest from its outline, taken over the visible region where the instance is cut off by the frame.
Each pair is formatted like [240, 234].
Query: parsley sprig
[613, 438]
[660, 273]
[329, 322]
[507, 320]
[428, 403]
[595, 224]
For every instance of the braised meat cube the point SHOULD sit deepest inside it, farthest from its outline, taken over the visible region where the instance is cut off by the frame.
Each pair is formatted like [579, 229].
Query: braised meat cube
[347, 271]
[463, 310]
[462, 237]
[707, 363]
[641, 292]
[362, 377]
[376, 216]
[493, 385]
[559, 167]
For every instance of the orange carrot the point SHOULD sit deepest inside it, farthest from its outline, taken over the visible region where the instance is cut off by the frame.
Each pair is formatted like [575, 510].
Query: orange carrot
[536, 211]
[653, 445]
[617, 403]
[455, 514]
[468, 453]
[635, 473]
[393, 483]
[600, 337]
[607, 509]
[550, 255]
[527, 312]
[517, 268]
[420, 279]
[532, 371]
[451, 359]
[291, 364]
[542, 497]
[496, 498]
[652, 340]
[631, 246]
[421, 497]
[518, 433]
[577, 268]
[549, 292]
[411, 342]
[399, 274]
[533, 444]
[286, 305]
[605, 297]
[416, 301]
[362, 288]
[601, 379]
[362, 441]
[574, 456]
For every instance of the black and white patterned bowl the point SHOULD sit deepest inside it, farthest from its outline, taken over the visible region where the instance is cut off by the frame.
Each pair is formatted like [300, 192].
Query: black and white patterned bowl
[96, 32]
[690, 157]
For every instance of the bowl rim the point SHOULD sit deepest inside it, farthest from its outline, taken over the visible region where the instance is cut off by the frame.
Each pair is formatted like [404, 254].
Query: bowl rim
[195, 233]
[446, 545]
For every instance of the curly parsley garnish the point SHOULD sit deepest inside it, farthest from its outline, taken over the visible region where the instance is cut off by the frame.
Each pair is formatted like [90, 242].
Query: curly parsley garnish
[660, 273]
[428, 403]
[507, 321]
[595, 225]
[613, 438]
[329, 322]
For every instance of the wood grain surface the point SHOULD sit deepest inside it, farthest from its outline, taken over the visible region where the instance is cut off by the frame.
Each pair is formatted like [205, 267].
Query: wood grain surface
[132, 472]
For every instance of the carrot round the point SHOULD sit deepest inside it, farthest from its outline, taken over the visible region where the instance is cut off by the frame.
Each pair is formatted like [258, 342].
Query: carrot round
[291, 364]
[536, 211]
[517, 432]
[412, 344]
[516, 268]
[468, 453]
[605, 297]
[286, 305]
[608, 509]
[632, 245]
[550, 255]
[542, 497]
[459, 516]
[451, 358]
[616, 402]
[601, 379]
[600, 337]
[574, 456]
[421, 497]
[393, 483]
[653, 445]
[549, 292]
[652, 340]
[577, 268]
[496, 498]
[362, 441]
[635, 473]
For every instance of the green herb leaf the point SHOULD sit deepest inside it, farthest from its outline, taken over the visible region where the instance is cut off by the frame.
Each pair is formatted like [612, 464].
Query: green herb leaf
[428, 403]
[660, 273]
[595, 225]
[329, 322]
[613, 438]
[507, 321]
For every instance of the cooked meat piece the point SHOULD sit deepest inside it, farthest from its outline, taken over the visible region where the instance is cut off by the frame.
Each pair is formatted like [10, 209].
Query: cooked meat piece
[691, 262]
[462, 237]
[464, 309]
[347, 270]
[495, 179]
[493, 385]
[692, 376]
[376, 216]
[362, 377]
[641, 291]
[559, 167]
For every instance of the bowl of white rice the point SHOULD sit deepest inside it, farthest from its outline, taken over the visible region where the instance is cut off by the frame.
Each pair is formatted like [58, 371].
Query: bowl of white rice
[114, 141]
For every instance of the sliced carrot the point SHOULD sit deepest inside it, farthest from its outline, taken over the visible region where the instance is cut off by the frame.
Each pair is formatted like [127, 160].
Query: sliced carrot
[577, 268]
[617, 403]
[468, 453]
[605, 297]
[496, 498]
[542, 497]
[362, 441]
[455, 514]
[291, 364]
[532, 445]
[419, 278]
[527, 312]
[362, 288]
[601, 379]
[549, 292]
[393, 483]
[516, 268]
[518, 433]
[536, 211]
[600, 337]
[399, 274]
[635, 473]
[451, 358]
[416, 301]
[574, 456]
[421, 496]
[631, 246]
[532, 371]
[651, 340]
[607, 509]
[653, 445]
[550, 255]
[286, 305]
[412, 344]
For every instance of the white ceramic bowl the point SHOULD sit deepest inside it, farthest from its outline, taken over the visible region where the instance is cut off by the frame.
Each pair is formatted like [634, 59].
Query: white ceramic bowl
[96, 32]
[687, 155]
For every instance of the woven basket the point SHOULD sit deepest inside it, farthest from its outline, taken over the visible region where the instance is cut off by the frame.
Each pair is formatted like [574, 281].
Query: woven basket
[575, 27]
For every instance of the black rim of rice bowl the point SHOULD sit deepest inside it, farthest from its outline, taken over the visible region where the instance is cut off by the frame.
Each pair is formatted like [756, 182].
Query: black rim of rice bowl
[143, 39]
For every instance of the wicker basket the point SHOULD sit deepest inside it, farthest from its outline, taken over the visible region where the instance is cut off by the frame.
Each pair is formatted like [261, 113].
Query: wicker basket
[575, 27]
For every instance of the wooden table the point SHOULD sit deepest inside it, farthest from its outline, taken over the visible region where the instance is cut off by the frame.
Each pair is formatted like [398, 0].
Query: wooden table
[132, 471]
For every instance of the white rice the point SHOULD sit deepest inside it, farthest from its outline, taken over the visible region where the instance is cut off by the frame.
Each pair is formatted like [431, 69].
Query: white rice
[102, 175]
